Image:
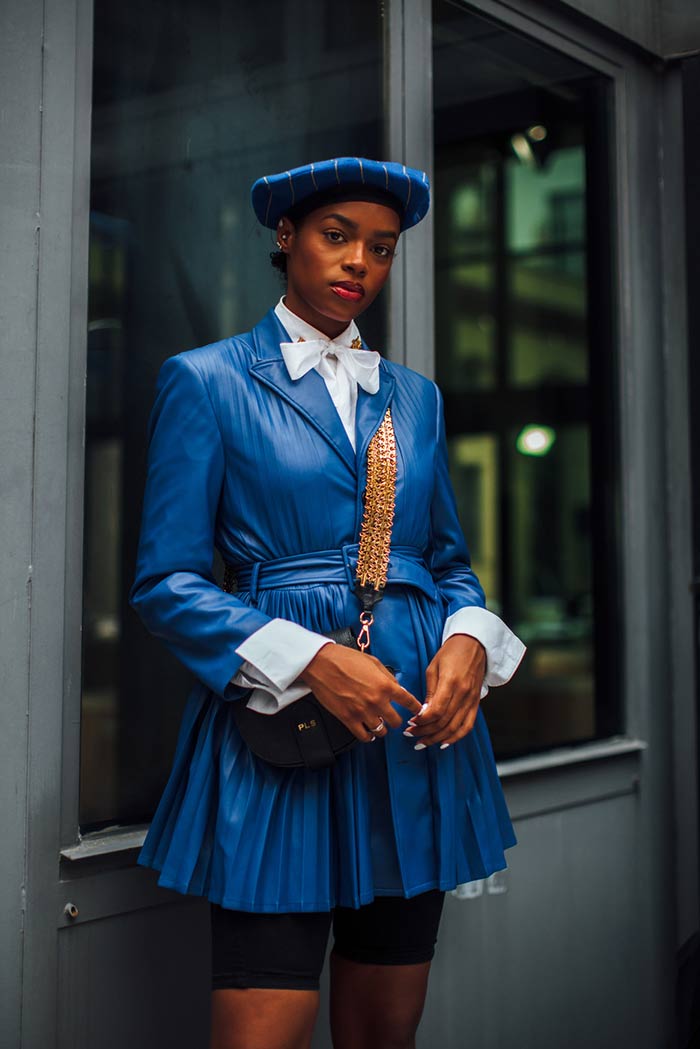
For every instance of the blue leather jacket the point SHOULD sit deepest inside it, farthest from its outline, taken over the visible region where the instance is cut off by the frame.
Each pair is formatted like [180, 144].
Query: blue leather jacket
[246, 460]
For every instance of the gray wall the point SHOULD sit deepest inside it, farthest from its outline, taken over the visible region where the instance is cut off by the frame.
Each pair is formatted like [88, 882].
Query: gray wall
[20, 90]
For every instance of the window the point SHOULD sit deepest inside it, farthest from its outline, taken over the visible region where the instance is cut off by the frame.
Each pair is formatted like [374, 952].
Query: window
[522, 277]
[191, 103]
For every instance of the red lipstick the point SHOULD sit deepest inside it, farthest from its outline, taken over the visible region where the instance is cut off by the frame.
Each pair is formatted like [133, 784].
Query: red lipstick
[348, 290]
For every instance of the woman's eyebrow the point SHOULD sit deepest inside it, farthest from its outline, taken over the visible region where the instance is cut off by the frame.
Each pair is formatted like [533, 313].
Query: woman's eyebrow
[341, 218]
[355, 225]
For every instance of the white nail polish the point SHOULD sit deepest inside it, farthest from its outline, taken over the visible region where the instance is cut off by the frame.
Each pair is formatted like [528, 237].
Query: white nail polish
[444, 746]
[423, 709]
[419, 746]
[408, 733]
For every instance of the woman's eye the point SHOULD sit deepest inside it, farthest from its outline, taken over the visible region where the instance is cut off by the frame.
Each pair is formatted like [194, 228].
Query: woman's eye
[334, 235]
[383, 251]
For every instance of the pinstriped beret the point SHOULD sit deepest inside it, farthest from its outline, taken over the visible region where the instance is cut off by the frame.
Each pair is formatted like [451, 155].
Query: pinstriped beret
[406, 190]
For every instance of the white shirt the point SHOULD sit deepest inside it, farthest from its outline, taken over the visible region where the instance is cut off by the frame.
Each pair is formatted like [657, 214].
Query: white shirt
[341, 362]
[275, 655]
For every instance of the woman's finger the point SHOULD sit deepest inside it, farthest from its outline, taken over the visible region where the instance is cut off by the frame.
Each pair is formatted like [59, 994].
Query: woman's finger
[441, 706]
[379, 729]
[405, 699]
[392, 718]
[359, 730]
[437, 730]
[459, 725]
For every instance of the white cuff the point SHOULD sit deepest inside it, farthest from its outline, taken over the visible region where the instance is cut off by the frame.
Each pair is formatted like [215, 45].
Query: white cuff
[268, 700]
[504, 651]
[274, 657]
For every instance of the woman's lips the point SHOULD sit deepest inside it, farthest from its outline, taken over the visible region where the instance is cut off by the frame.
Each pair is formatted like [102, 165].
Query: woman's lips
[348, 291]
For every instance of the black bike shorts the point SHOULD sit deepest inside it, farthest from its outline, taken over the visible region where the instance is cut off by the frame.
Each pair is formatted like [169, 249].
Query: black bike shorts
[287, 950]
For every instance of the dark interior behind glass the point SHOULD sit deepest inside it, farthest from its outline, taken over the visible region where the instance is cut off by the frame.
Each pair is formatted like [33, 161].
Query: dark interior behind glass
[524, 357]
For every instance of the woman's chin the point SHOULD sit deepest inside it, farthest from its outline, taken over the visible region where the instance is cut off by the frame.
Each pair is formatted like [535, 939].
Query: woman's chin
[328, 307]
[338, 311]
[342, 308]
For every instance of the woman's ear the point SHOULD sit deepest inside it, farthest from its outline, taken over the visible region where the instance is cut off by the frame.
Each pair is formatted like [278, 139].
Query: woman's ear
[285, 234]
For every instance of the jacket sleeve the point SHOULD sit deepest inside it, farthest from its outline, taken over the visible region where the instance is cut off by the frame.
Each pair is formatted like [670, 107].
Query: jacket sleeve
[174, 590]
[448, 557]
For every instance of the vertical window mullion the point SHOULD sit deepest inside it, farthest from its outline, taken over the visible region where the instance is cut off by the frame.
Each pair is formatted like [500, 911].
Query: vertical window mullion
[409, 140]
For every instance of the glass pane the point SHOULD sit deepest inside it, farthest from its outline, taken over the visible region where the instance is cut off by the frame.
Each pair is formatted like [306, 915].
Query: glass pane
[546, 245]
[465, 273]
[546, 194]
[520, 290]
[549, 569]
[549, 338]
[474, 472]
[191, 103]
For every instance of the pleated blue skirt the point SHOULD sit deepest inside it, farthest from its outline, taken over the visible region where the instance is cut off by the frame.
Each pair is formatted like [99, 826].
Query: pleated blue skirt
[385, 820]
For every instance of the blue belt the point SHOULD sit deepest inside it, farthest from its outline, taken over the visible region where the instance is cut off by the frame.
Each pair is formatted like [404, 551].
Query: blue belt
[406, 566]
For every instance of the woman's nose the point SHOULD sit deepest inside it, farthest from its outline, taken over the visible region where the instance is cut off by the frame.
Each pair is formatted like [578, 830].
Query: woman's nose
[355, 259]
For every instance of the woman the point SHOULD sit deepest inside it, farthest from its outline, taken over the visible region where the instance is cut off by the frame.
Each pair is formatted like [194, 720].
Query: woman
[258, 447]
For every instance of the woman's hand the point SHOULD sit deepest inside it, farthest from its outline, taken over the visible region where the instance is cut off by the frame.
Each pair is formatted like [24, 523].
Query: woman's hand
[454, 679]
[358, 690]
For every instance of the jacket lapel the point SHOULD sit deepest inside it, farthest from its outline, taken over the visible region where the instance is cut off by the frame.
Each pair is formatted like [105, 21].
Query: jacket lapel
[371, 409]
[307, 395]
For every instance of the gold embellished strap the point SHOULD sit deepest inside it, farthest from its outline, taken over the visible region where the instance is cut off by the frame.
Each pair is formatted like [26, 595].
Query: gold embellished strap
[377, 522]
[378, 517]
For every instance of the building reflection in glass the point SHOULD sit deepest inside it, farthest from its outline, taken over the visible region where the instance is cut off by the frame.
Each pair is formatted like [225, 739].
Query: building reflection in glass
[516, 131]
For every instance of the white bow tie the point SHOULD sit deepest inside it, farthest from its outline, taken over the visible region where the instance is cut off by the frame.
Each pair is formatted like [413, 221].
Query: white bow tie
[360, 365]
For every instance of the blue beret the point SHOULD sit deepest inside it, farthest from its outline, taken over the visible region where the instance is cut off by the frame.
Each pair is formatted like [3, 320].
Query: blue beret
[406, 189]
